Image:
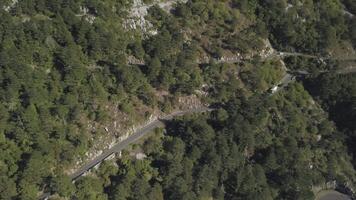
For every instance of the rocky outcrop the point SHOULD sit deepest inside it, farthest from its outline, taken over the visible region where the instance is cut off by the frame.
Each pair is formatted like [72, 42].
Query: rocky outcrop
[138, 12]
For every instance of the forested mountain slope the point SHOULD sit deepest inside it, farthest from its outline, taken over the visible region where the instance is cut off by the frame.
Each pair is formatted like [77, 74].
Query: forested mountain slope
[274, 148]
[65, 74]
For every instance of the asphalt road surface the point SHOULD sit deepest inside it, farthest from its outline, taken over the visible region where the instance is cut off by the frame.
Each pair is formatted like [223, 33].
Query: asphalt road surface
[116, 148]
[131, 139]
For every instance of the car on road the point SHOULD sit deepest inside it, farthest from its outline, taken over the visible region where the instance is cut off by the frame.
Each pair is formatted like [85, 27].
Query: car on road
[274, 89]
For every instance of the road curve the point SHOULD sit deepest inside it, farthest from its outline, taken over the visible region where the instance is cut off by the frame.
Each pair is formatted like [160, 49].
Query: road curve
[132, 138]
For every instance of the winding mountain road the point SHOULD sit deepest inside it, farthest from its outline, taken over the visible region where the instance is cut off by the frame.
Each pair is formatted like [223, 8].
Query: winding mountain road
[116, 148]
[288, 78]
[285, 81]
[133, 138]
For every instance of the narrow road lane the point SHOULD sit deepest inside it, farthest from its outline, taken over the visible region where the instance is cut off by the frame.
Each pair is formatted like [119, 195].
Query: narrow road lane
[131, 139]
[116, 148]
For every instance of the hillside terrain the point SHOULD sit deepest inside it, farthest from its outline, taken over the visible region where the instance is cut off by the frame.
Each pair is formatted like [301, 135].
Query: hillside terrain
[275, 81]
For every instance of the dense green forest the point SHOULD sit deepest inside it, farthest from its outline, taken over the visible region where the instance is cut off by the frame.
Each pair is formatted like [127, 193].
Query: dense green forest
[256, 148]
[62, 62]
[337, 95]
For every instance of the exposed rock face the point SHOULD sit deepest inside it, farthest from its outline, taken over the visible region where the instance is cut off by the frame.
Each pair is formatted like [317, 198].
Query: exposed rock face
[138, 12]
[84, 12]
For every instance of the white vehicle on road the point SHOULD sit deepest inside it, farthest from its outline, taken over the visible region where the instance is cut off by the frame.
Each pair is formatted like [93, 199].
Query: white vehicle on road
[274, 89]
